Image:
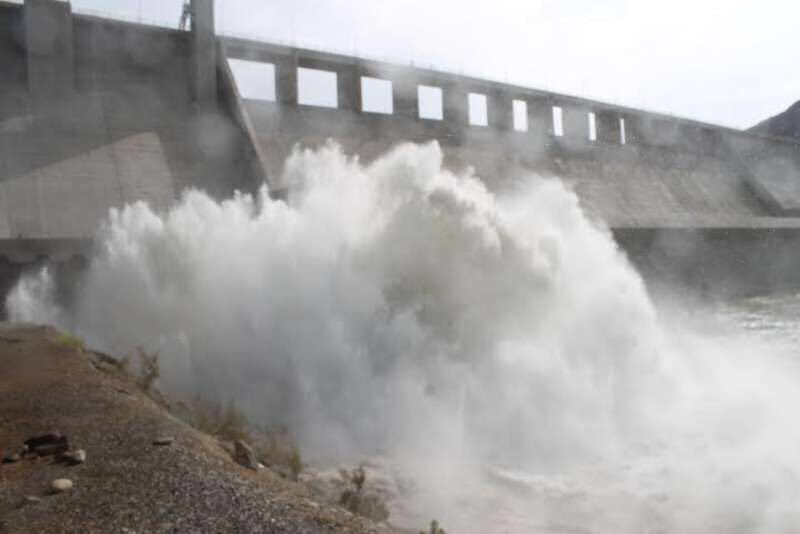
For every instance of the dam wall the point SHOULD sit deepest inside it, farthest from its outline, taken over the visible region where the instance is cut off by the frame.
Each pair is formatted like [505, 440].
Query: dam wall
[633, 169]
[98, 113]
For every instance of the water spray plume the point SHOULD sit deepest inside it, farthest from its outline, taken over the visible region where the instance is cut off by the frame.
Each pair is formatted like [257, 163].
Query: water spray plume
[480, 341]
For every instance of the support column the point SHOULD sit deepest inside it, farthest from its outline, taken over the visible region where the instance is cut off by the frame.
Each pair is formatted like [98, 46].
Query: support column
[540, 117]
[500, 108]
[608, 127]
[634, 130]
[204, 54]
[50, 47]
[348, 82]
[576, 123]
[456, 106]
[286, 81]
[406, 98]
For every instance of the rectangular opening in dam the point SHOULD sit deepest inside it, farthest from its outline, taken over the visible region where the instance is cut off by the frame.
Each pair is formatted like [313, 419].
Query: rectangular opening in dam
[558, 121]
[592, 126]
[317, 88]
[622, 136]
[431, 104]
[520, 110]
[376, 96]
[478, 110]
[256, 80]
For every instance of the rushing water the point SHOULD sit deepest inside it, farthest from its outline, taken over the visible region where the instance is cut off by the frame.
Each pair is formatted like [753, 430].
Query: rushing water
[775, 319]
[497, 355]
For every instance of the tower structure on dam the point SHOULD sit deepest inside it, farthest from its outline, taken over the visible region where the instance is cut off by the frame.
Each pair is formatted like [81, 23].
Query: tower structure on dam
[204, 53]
[96, 113]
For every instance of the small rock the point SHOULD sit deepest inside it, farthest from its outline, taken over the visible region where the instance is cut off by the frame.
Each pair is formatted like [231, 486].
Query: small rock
[74, 457]
[12, 458]
[244, 455]
[48, 444]
[31, 500]
[163, 441]
[61, 485]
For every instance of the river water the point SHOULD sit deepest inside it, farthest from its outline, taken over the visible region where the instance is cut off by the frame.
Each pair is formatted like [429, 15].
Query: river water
[774, 319]
[640, 494]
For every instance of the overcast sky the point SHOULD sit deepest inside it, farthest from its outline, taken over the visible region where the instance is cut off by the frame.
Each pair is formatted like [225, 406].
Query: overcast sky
[732, 62]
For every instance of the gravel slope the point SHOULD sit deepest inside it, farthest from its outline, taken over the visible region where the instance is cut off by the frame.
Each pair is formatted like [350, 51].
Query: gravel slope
[128, 484]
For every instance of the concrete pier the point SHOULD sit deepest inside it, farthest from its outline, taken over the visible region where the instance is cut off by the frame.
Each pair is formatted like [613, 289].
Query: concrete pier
[204, 53]
[50, 49]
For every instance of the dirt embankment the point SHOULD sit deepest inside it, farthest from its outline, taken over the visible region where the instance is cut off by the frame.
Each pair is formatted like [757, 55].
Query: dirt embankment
[127, 483]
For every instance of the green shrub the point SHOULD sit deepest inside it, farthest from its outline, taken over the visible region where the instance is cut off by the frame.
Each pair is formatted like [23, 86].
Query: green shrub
[124, 366]
[149, 369]
[435, 529]
[359, 501]
[109, 363]
[275, 448]
[356, 478]
[226, 423]
[71, 342]
[369, 505]
[295, 463]
[272, 447]
[233, 424]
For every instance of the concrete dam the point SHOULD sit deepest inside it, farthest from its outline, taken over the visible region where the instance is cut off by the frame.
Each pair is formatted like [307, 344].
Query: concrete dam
[96, 113]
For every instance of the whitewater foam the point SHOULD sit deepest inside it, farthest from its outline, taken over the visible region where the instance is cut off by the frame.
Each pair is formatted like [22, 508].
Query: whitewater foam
[472, 338]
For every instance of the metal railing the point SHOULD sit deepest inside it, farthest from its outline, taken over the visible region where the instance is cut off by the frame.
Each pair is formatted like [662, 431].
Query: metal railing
[126, 17]
[319, 46]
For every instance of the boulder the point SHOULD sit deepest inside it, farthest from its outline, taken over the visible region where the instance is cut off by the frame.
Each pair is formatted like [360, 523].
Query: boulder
[48, 444]
[243, 455]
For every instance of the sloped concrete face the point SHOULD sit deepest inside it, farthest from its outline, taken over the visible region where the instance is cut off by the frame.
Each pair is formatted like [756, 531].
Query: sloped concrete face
[130, 128]
[774, 176]
[624, 186]
[777, 182]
